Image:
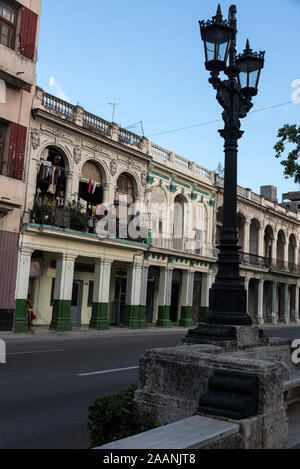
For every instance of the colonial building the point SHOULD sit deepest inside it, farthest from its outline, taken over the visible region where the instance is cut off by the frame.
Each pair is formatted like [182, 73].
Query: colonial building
[81, 170]
[19, 23]
[269, 236]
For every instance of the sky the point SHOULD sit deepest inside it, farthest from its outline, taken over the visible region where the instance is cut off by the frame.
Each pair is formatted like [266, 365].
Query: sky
[148, 57]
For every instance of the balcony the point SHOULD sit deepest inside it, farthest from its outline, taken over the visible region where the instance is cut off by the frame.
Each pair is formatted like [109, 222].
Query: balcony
[277, 265]
[16, 69]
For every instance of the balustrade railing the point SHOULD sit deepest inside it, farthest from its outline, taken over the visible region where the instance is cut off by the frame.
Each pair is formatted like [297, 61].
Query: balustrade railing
[96, 123]
[129, 138]
[58, 106]
[159, 152]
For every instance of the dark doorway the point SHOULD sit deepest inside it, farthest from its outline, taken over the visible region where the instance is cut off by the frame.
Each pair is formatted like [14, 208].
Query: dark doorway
[76, 303]
[176, 284]
[197, 298]
[120, 298]
[150, 301]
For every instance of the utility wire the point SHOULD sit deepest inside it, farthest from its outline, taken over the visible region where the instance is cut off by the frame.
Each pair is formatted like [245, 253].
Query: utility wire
[266, 108]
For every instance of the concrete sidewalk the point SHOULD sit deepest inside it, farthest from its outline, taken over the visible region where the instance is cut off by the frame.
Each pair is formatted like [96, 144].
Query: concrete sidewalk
[43, 333]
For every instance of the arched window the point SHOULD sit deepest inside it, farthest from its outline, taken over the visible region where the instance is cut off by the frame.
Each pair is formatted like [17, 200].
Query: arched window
[90, 187]
[280, 248]
[269, 240]
[51, 179]
[125, 189]
[159, 216]
[178, 223]
[200, 228]
[254, 230]
[292, 249]
[124, 198]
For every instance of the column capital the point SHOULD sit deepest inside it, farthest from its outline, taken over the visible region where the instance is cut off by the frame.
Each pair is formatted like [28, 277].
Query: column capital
[26, 251]
[69, 257]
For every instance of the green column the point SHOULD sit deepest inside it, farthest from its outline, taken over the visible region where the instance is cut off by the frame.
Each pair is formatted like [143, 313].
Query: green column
[100, 310]
[132, 318]
[187, 299]
[22, 284]
[61, 320]
[164, 297]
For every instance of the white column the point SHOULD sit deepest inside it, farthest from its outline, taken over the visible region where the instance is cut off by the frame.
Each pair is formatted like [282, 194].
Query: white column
[261, 242]
[286, 303]
[247, 280]
[164, 296]
[297, 316]
[187, 292]
[274, 303]
[246, 238]
[63, 293]
[261, 302]
[143, 301]
[99, 319]
[207, 282]
[133, 296]
[22, 284]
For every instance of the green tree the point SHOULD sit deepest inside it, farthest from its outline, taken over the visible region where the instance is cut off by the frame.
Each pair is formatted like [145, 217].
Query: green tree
[220, 170]
[289, 135]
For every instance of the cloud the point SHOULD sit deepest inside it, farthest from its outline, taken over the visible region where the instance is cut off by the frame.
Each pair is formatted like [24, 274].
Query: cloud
[57, 89]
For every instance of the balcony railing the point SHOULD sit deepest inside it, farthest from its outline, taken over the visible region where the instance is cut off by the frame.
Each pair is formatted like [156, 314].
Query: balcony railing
[267, 263]
[129, 138]
[58, 106]
[96, 123]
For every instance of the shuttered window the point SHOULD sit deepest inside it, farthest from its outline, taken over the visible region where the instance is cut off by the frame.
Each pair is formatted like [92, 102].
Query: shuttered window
[16, 152]
[28, 32]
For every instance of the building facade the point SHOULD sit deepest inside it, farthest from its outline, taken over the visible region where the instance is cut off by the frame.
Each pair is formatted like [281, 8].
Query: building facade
[81, 169]
[269, 239]
[19, 24]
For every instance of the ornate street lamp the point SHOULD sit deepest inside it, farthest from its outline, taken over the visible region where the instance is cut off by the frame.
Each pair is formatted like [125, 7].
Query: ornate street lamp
[250, 65]
[228, 295]
[217, 36]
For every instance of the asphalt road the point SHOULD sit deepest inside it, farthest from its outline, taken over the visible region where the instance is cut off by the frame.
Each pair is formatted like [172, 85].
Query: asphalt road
[47, 383]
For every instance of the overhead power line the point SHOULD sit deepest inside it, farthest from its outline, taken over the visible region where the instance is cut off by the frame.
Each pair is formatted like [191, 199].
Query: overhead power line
[266, 108]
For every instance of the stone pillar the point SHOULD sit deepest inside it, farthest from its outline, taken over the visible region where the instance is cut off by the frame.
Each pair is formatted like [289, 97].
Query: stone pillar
[247, 281]
[133, 296]
[274, 303]
[187, 299]
[246, 239]
[69, 182]
[106, 190]
[260, 311]
[297, 315]
[261, 242]
[63, 288]
[164, 297]
[207, 282]
[22, 284]
[143, 302]
[286, 303]
[99, 319]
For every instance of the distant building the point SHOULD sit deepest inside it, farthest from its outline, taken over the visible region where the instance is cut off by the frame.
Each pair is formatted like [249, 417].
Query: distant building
[19, 24]
[269, 236]
[291, 201]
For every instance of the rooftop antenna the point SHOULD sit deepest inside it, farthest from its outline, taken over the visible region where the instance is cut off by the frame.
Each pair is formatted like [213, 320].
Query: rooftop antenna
[132, 126]
[114, 109]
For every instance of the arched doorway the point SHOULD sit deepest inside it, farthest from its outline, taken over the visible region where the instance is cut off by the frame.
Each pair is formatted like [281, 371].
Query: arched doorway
[90, 187]
[159, 216]
[291, 253]
[51, 180]
[124, 198]
[178, 223]
[269, 240]
[281, 240]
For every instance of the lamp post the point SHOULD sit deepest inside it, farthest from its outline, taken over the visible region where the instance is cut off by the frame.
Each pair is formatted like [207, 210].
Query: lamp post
[228, 294]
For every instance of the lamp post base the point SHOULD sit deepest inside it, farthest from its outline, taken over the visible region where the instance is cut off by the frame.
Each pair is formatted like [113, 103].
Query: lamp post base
[226, 336]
